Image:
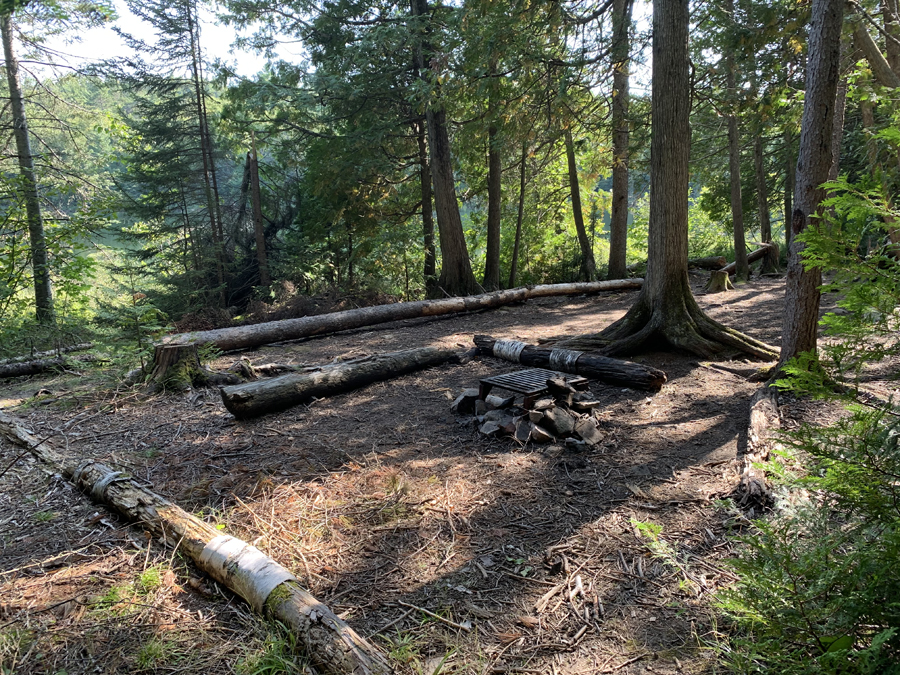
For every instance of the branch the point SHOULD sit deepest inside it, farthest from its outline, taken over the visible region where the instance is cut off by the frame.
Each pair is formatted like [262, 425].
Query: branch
[881, 69]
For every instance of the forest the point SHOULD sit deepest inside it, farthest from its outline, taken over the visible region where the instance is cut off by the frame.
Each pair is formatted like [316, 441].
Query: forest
[458, 336]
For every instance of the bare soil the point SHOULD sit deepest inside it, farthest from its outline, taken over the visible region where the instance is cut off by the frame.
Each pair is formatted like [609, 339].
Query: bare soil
[382, 501]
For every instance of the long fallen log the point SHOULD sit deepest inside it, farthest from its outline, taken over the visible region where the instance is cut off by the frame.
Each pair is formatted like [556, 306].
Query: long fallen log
[23, 368]
[713, 262]
[246, 337]
[269, 588]
[594, 366]
[81, 347]
[752, 257]
[753, 489]
[253, 399]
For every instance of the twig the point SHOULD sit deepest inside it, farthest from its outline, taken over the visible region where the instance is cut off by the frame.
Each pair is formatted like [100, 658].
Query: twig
[436, 616]
[391, 623]
[623, 664]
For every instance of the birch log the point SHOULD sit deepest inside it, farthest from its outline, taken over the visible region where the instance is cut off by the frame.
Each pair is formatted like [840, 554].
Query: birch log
[252, 399]
[53, 353]
[594, 366]
[247, 337]
[269, 588]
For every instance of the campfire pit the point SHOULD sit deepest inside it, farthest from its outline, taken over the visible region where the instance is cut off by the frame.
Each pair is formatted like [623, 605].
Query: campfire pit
[531, 383]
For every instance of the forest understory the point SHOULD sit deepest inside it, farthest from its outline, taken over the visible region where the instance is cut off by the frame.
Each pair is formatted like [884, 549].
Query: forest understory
[538, 559]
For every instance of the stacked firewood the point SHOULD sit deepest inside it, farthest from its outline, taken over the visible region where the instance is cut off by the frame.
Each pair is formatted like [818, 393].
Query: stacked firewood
[563, 415]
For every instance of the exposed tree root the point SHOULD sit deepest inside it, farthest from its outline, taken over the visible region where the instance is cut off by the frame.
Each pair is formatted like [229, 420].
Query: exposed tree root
[682, 326]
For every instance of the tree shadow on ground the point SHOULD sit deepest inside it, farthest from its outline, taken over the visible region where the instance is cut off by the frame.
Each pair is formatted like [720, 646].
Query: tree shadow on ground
[383, 496]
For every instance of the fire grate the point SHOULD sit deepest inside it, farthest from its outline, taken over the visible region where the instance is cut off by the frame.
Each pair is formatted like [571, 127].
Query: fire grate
[531, 383]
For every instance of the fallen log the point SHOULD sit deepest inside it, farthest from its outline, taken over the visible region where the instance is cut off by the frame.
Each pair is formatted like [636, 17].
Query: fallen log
[753, 489]
[269, 588]
[752, 257]
[713, 262]
[37, 366]
[597, 367]
[246, 337]
[84, 346]
[253, 399]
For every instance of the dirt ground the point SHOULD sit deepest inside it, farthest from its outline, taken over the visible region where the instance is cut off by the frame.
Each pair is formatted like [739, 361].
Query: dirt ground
[538, 559]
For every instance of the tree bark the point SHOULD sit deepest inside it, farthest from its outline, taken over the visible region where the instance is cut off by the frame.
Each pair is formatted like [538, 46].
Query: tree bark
[867, 114]
[719, 281]
[253, 399]
[666, 314]
[520, 215]
[837, 126]
[494, 187]
[890, 11]
[178, 368]
[456, 276]
[881, 69]
[43, 292]
[268, 587]
[734, 162]
[246, 337]
[262, 259]
[801, 313]
[429, 271]
[770, 262]
[790, 169]
[594, 366]
[492, 247]
[588, 266]
[620, 54]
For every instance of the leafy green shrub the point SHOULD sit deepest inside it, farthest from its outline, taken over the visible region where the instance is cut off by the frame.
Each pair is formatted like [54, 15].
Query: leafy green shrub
[819, 590]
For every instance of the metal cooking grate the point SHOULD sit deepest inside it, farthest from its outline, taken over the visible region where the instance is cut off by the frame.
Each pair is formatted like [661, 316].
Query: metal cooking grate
[528, 382]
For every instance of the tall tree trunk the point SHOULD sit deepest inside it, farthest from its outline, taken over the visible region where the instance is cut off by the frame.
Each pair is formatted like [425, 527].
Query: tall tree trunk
[494, 188]
[867, 113]
[770, 262]
[881, 68]
[790, 169]
[205, 153]
[429, 272]
[495, 175]
[801, 314]
[890, 11]
[514, 265]
[588, 266]
[618, 223]
[256, 199]
[734, 162]
[456, 269]
[43, 292]
[837, 127]
[666, 313]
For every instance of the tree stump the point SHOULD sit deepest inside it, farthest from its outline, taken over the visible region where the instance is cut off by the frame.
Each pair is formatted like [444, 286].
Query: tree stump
[718, 282]
[770, 259]
[178, 368]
